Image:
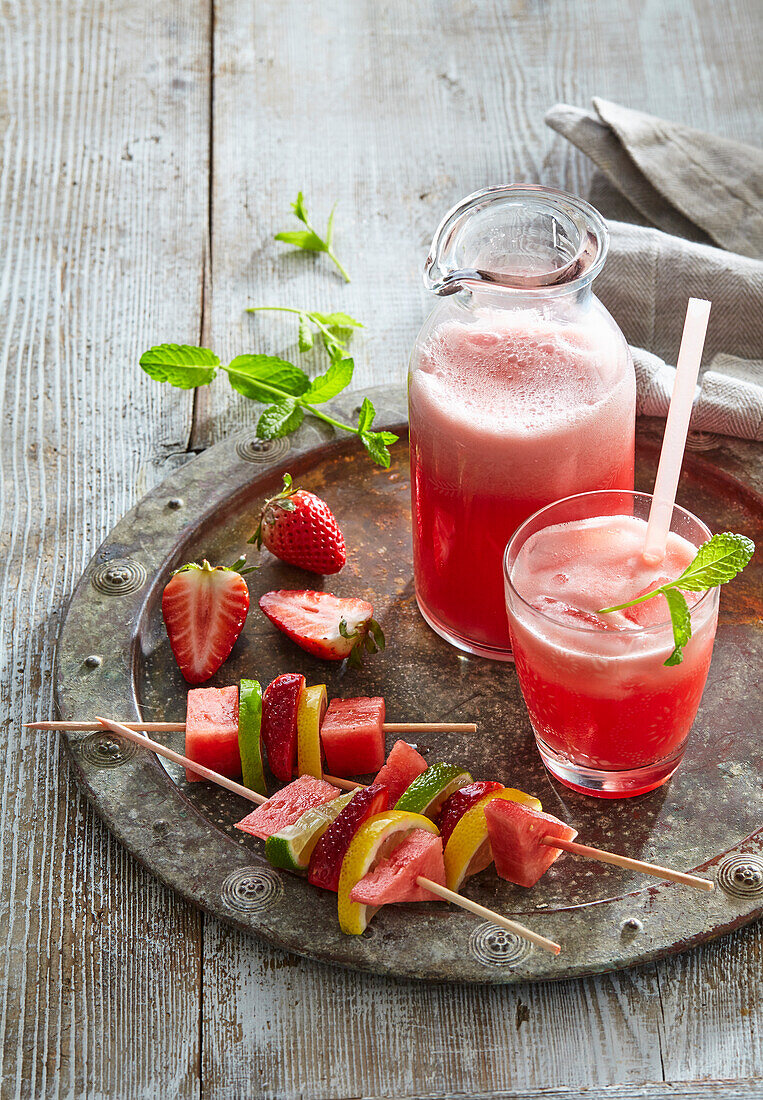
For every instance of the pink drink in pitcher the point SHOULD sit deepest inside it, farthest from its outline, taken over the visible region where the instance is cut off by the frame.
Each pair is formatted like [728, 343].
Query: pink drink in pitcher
[610, 718]
[521, 391]
[507, 413]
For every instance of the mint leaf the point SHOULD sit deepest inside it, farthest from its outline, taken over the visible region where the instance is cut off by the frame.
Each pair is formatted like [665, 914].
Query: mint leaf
[299, 208]
[717, 562]
[303, 238]
[306, 338]
[309, 239]
[279, 420]
[328, 385]
[263, 377]
[374, 444]
[335, 329]
[342, 322]
[330, 226]
[366, 415]
[181, 365]
[680, 617]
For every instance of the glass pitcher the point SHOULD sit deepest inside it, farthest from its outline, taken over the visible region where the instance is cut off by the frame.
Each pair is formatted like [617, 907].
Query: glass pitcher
[521, 391]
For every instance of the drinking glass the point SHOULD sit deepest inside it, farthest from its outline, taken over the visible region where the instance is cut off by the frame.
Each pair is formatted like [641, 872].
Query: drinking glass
[610, 718]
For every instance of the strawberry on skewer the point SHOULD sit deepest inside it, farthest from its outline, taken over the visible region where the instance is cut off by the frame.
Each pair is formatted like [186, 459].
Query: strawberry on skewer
[204, 609]
[300, 529]
[280, 710]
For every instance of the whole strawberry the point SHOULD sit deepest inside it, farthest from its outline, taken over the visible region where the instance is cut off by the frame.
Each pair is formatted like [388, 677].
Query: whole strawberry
[300, 528]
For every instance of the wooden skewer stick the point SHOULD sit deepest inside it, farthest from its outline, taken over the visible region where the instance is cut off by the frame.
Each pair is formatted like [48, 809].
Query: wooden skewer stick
[344, 784]
[628, 863]
[179, 727]
[488, 914]
[223, 781]
[176, 758]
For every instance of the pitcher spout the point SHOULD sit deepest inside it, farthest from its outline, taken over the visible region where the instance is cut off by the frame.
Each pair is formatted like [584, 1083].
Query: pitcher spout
[517, 238]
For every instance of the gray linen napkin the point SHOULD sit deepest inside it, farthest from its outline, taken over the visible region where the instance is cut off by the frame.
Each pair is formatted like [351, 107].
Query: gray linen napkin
[697, 189]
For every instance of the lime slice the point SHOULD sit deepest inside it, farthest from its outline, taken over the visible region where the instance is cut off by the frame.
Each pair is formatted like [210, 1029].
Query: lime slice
[374, 840]
[468, 849]
[292, 847]
[249, 735]
[312, 707]
[430, 789]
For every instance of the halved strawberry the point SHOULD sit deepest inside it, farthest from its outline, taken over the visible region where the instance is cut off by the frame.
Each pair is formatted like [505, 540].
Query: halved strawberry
[325, 625]
[300, 528]
[204, 609]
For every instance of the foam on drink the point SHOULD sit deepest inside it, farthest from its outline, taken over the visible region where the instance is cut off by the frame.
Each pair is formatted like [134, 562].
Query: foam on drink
[571, 570]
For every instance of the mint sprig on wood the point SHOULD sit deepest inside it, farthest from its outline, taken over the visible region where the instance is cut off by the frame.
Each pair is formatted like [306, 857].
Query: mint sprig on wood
[308, 239]
[333, 329]
[286, 389]
[716, 562]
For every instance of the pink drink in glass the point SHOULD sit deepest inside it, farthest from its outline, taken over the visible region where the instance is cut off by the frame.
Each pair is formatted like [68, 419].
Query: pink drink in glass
[610, 718]
[509, 410]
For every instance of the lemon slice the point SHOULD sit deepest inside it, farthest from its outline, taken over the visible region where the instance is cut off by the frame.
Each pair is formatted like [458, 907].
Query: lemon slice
[468, 849]
[292, 847]
[374, 840]
[429, 790]
[312, 707]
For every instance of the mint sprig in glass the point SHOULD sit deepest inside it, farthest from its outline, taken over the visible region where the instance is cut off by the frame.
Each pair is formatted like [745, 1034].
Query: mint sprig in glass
[716, 562]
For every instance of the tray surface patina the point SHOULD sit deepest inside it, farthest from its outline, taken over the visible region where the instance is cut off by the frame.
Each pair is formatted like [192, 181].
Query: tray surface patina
[114, 659]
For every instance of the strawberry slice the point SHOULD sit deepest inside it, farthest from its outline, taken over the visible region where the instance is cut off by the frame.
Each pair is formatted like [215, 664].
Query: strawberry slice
[280, 707]
[300, 528]
[204, 609]
[460, 801]
[326, 860]
[326, 626]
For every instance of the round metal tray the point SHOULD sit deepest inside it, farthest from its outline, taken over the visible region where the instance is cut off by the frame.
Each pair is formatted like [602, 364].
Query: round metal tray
[114, 659]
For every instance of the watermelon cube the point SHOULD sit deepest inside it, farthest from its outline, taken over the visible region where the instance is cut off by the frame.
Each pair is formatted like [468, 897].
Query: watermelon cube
[211, 731]
[402, 766]
[394, 878]
[287, 806]
[515, 831]
[352, 735]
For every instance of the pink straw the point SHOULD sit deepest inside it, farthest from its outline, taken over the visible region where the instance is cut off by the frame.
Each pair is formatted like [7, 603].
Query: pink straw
[676, 428]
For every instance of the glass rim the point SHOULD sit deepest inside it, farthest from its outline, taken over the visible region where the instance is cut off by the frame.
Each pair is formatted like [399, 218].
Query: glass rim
[583, 629]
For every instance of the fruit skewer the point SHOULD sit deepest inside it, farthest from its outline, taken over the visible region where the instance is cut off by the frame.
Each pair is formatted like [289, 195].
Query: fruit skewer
[252, 796]
[562, 844]
[179, 727]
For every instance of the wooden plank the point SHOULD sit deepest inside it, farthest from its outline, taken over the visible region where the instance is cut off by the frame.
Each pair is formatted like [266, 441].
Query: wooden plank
[692, 1090]
[287, 1028]
[395, 110]
[104, 217]
[713, 1011]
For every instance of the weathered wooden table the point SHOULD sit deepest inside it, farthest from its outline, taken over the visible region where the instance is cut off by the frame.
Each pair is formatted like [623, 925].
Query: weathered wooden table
[150, 150]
